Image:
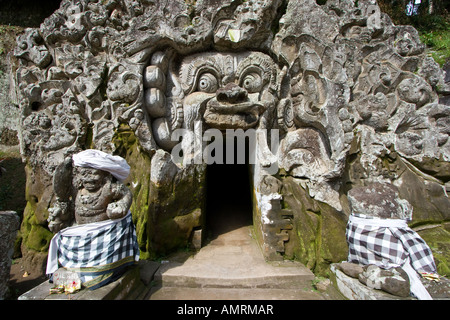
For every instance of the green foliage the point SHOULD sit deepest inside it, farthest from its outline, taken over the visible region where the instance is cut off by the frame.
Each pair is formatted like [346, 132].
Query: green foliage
[438, 41]
[8, 36]
[434, 29]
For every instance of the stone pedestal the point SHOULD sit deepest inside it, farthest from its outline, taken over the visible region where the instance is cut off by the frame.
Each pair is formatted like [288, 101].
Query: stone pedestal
[134, 284]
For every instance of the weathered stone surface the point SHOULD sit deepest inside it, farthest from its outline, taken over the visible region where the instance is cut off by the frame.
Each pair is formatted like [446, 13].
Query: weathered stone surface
[131, 285]
[379, 200]
[9, 224]
[394, 281]
[373, 283]
[353, 289]
[351, 269]
[175, 203]
[438, 289]
[318, 231]
[353, 98]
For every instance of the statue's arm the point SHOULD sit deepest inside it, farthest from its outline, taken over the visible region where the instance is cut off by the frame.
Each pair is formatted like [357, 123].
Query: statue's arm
[61, 214]
[121, 202]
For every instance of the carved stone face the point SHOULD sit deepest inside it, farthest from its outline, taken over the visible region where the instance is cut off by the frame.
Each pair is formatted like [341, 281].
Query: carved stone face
[30, 47]
[414, 90]
[232, 90]
[91, 179]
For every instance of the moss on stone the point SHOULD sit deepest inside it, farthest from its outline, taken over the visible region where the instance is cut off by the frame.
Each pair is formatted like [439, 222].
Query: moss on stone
[438, 239]
[164, 215]
[319, 230]
[34, 236]
[138, 182]
[39, 238]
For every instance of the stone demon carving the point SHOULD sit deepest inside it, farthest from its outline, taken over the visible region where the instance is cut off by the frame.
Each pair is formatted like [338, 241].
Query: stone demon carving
[224, 91]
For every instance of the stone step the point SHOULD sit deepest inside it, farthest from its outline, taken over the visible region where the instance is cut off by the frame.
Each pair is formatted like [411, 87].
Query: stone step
[231, 273]
[231, 266]
[184, 293]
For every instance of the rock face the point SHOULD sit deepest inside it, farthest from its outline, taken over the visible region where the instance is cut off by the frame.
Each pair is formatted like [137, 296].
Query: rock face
[394, 281]
[333, 96]
[380, 201]
[9, 224]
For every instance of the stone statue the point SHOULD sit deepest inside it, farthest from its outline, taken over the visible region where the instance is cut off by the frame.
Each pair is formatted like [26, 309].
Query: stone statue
[220, 90]
[97, 195]
[379, 238]
[99, 207]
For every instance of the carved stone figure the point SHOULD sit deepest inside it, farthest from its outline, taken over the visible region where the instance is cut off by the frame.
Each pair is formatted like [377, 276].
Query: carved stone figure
[98, 202]
[86, 194]
[224, 91]
[379, 238]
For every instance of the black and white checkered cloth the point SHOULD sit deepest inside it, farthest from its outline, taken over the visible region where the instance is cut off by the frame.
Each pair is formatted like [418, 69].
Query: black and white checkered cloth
[390, 243]
[387, 244]
[98, 255]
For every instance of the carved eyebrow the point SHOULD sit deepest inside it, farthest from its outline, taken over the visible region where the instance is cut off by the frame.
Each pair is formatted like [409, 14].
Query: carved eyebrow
[257, 62]
[192, 70]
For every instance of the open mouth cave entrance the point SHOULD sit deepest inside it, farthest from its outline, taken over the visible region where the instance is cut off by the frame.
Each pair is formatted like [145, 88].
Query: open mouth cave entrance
[228, 195]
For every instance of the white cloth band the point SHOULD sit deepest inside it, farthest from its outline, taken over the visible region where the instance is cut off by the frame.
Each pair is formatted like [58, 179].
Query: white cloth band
[381, 223]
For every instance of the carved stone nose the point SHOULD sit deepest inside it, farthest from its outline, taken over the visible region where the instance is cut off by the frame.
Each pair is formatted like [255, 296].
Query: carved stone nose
[231, 93]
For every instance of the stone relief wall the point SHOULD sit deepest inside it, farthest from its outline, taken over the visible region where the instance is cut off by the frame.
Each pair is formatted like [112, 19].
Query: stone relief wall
[353, 97]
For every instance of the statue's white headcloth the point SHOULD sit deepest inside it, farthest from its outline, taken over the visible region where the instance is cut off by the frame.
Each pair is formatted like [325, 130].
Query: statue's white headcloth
[100, 160]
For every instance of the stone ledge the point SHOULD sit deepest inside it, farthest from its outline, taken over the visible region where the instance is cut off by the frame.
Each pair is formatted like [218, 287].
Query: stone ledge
[133, 285]
[352, 289]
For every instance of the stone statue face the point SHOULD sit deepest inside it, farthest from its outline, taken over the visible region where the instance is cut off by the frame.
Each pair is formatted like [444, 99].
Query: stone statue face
[230, 90]
[91, 179]
[30, 48]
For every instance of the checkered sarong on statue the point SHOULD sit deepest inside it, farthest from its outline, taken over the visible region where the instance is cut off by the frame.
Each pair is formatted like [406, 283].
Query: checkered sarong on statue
[387, 243]
[98, 252]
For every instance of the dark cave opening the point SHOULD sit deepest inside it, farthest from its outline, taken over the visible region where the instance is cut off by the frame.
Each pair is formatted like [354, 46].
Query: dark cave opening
[228, 195]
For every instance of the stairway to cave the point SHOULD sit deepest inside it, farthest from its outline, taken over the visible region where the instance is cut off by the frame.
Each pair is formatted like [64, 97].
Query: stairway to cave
[231, 267]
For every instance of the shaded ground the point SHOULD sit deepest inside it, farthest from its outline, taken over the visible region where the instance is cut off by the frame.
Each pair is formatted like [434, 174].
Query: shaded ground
[12, 182]
[21, 281]
[12, 197]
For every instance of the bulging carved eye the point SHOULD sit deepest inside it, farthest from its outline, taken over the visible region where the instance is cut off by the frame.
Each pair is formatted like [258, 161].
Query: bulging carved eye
[252, 82]
[207, 83]
[23, 45]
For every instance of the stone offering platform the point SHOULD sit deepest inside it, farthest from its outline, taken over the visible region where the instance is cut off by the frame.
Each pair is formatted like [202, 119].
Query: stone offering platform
[133, 285]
